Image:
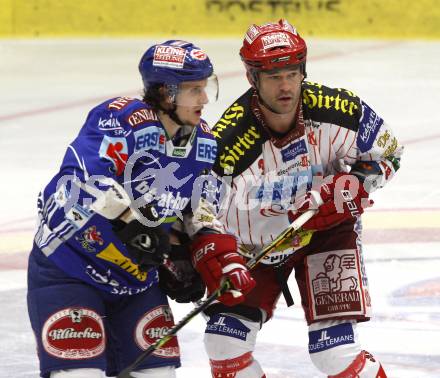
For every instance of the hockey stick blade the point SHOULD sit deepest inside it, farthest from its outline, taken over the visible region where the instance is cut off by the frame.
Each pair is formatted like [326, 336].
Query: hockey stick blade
[287, 233]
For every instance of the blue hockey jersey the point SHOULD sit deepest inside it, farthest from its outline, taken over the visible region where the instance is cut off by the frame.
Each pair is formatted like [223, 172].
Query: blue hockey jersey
[122, 141]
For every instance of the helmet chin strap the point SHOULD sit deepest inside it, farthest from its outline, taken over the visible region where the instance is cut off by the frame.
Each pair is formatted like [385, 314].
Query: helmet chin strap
[173, 115]
[172, 94]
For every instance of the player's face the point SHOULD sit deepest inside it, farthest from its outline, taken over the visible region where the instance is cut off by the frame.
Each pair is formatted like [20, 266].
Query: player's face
[190, 101]
[281, 89]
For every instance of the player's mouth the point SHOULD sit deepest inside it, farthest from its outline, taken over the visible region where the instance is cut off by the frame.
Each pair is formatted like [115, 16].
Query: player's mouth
[284, 99]
[198, 111]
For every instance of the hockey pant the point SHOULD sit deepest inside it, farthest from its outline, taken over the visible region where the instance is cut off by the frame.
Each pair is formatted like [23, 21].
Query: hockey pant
[333, 346]
[78, 327]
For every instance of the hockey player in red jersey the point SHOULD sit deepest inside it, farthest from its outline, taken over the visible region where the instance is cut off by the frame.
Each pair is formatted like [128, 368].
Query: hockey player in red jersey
[282, 144]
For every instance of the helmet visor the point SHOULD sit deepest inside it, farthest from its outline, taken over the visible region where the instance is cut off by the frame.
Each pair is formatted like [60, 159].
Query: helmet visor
[197, 93]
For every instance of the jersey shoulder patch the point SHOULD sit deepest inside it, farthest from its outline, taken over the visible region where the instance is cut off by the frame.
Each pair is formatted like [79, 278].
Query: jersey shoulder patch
[132, 111]
[239, 137]
[120, 116]
[119, 103]
[205, 130]
[233, 117]
[140, 114]
[331, 105]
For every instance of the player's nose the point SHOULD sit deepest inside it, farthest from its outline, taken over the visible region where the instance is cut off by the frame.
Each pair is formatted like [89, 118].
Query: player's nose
[203, 98]
[285, 85]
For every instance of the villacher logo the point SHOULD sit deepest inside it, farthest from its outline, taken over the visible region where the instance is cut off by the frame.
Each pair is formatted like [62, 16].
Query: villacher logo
[74, 334]
[154, 325]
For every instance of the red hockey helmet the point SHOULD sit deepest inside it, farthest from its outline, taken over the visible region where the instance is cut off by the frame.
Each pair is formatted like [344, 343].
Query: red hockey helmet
[273, 45]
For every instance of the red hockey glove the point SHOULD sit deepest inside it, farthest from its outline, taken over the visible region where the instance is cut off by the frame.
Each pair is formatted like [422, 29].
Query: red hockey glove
[215, 257]
[344, 198]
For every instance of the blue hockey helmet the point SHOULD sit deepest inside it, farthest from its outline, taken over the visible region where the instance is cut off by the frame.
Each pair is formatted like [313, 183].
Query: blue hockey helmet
[173, 62]
[177, 73]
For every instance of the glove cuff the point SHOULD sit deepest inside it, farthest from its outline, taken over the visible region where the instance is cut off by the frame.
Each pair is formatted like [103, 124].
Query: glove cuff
[231, 267]
[206, 246]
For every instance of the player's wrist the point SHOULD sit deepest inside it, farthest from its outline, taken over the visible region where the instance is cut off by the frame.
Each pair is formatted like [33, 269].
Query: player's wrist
[208, 246]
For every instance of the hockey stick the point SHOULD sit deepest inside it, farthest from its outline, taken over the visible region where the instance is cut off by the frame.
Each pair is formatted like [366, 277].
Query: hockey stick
[287, 233]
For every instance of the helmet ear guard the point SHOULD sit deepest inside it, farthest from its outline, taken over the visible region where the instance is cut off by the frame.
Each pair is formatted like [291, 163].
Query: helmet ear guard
[157, 93]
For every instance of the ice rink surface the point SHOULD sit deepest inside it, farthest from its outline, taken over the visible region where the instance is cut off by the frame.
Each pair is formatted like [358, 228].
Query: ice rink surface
[47, 89]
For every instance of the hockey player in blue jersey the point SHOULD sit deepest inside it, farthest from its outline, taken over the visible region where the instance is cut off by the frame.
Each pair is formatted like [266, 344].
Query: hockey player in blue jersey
[107, 224]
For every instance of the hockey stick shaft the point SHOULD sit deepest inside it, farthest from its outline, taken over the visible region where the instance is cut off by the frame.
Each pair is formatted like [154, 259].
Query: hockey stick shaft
[287, 233]
[281, 238]
[184, 321]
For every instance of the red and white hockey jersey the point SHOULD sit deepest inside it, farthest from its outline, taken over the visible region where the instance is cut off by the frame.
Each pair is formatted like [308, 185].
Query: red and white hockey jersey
[335, 132]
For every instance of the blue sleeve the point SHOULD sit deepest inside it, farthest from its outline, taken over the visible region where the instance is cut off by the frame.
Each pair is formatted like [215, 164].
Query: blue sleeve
[103, 145]
[80, 242]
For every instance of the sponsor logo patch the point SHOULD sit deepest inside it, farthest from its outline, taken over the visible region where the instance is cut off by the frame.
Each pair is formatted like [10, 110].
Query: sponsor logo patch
[330, 337]
[251, 33]
[150, 139]
[101, 278]
[142, 116]
[78, 216]
[206, 150]
[316, 98]
[154, 325]
[388, 144]
[111, 124]
[229, 119]
[74, 334]
[275, 40]
[242, 143]
[227, 326]
[115, 150]
[89, 238]
[198, 54]
[179, 152]
[205, 128]
[368, 128]
[115, 256]
[120, 103]
[169, 56]
[294, 150]
[335, 282]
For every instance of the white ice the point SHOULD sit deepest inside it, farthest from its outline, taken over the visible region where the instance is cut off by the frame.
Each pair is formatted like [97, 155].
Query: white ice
[47, 88]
